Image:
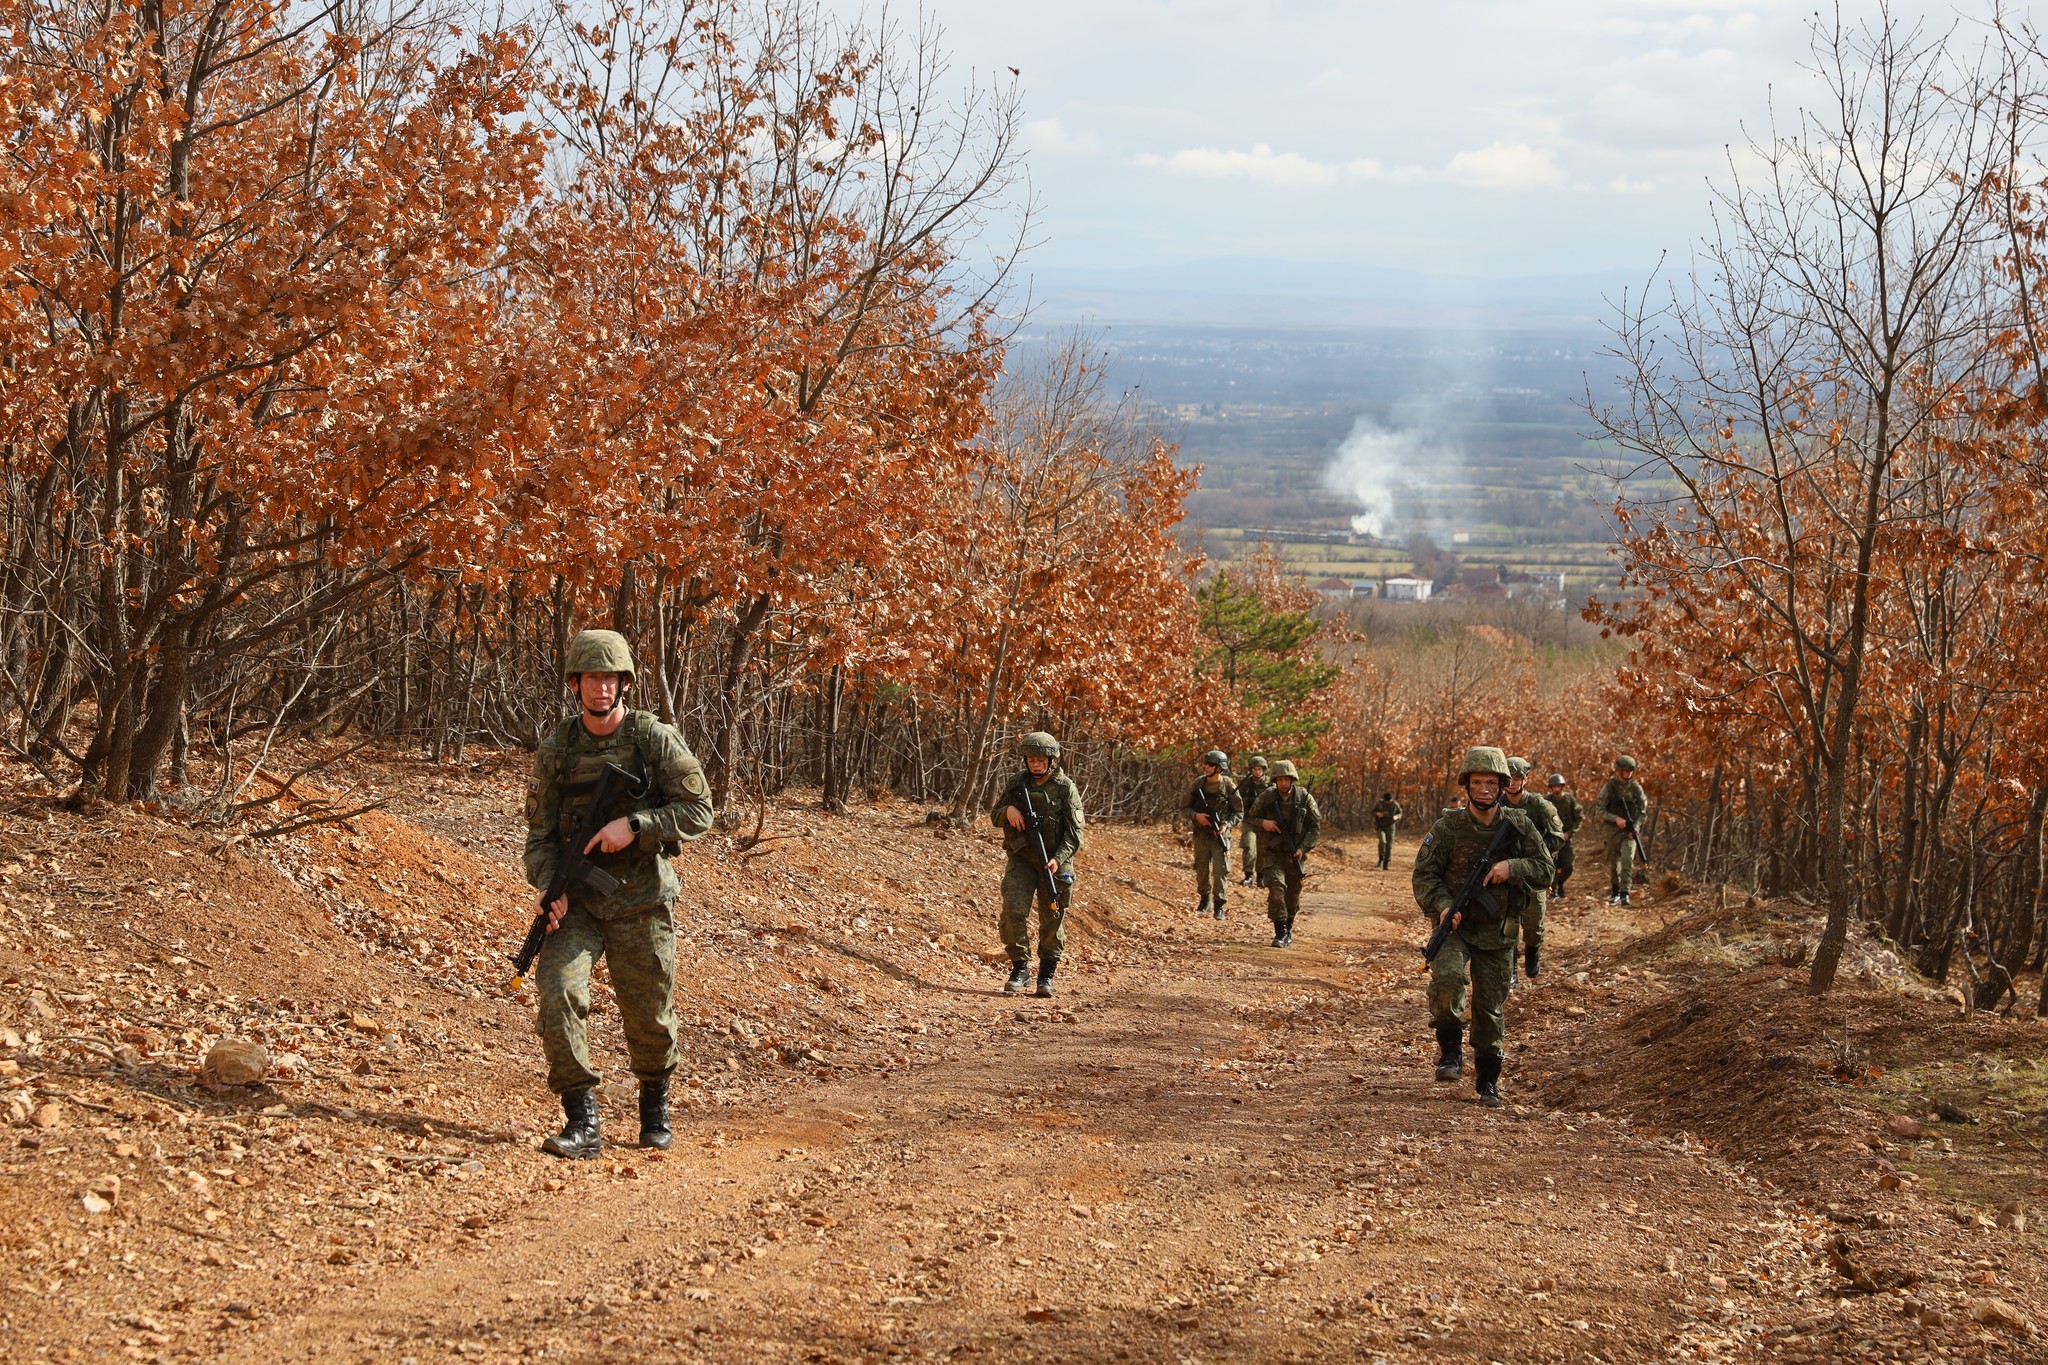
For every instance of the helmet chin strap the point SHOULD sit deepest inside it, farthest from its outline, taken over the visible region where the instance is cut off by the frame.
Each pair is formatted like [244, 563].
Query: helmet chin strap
[1477, 804]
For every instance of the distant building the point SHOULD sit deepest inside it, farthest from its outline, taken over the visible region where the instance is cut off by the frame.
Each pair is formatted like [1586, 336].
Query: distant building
[1406, 589]
[1340, 588]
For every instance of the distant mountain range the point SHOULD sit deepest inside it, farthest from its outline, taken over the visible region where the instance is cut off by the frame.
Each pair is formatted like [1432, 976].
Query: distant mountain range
[1249, 292]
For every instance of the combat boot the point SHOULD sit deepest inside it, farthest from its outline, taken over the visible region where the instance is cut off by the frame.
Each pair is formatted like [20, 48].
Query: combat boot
[1450, 1051]
[1529, 956]
[1279, 934]
[1488, 1084]
[579, 1138]
[1219, 907]
[1020, 978]
[1045, 971]
[1622, 899]
[1202, 908]
[654, 1113]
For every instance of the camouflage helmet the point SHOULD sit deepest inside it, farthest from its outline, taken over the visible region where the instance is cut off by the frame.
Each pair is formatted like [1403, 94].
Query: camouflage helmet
[1519, 767]
[1557, 779]
[1216, 758]
[599, 651]
[1285, 768]
[1625, 763]
[1258, 761]
[1039, 744]
[1484, 758]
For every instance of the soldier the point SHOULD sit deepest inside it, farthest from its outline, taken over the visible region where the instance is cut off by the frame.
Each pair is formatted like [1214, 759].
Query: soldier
[1385, 815]
[1483, 936]
[1214, 806]
[1289, 814]
[1550, 825]
[633, 927]
[1249, 790]
[1569, 814]
[1622, 806]
[1056, 802]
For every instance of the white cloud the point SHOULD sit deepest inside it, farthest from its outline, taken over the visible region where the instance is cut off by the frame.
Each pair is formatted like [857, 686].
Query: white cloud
[1621, 184]
[1505, 166]
[1265, 166]
[1049, 137]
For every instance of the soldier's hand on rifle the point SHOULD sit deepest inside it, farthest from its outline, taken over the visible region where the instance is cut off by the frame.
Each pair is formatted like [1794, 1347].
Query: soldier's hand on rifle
[1498, 873]
[613, 837]
[1620, 821]
[1205, 821]
[1052, 865]
[1014, 816]
[555, 909]
[1447, 915]
[1270, 826]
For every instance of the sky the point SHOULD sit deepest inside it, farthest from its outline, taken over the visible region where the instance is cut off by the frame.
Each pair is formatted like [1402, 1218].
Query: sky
[1463, 137]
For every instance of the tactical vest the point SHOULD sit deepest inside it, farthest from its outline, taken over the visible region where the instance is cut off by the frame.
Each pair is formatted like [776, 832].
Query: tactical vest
[637, 729]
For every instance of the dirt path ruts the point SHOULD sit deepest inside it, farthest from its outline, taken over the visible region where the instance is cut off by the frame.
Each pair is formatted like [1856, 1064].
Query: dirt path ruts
[1234, 1154]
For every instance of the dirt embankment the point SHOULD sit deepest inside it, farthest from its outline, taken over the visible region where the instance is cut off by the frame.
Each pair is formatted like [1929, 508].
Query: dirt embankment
[1203, 1148]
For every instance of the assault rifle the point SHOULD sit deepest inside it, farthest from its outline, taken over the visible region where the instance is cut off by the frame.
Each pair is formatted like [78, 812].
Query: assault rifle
[1032, 822]
[576, 869]
[1628, 827]
[1218, 820]
[1472, 889]
[1283, 842]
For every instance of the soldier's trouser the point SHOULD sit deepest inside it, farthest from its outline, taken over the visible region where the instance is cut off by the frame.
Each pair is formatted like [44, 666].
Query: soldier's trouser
[1489, 968]
[1564, 864]
[1386, 846]
[1023, 887]
[1247, 849]
[1282, 881]
[1212, 867]
[1621, 859]
[1532, 919]
[641, 951]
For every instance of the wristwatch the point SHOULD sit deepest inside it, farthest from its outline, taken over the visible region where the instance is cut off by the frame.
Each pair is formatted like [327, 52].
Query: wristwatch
[633, 823]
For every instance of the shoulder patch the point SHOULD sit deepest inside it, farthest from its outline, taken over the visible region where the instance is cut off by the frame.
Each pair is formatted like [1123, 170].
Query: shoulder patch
[1429, 839]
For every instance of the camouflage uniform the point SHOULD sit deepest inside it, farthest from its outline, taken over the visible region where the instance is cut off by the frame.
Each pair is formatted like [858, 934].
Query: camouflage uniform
[634, 927]
[1386, 814]
[1571, 817]
[1626, 799]
[1058, 803]
[1212, 849]
[1550, 825]
[1484, 940]
[1301, 824]
[1249, 788]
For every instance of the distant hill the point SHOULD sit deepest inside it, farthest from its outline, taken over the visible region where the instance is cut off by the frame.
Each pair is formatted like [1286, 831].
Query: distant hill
[1246, 291]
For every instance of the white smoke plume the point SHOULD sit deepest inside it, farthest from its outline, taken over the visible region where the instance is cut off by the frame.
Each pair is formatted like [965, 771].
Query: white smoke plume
[1375, 465]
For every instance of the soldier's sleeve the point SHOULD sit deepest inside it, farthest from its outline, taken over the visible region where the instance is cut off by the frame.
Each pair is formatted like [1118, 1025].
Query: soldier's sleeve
[1076, 824]
[1311, 823]
[1531, 866]
[1638, 804]
[543, 817]
[1003, 800]
[1262, 807]
[679, 778]
[1394, 812]
[1431, 885]
[1187, 800]
[1234, 801]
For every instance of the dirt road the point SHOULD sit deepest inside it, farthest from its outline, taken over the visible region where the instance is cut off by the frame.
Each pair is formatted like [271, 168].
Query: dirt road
[1220, 1151]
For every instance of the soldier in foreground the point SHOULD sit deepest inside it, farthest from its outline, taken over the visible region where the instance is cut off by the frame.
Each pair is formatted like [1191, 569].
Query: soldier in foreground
[1385, 815]
[1550, 825]
[633, 926]
[1571, 817]
[1289, 823]
[1213, 806]
[1621, 808]
[1483, 937]
[1250, 788]
[1040, 816]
